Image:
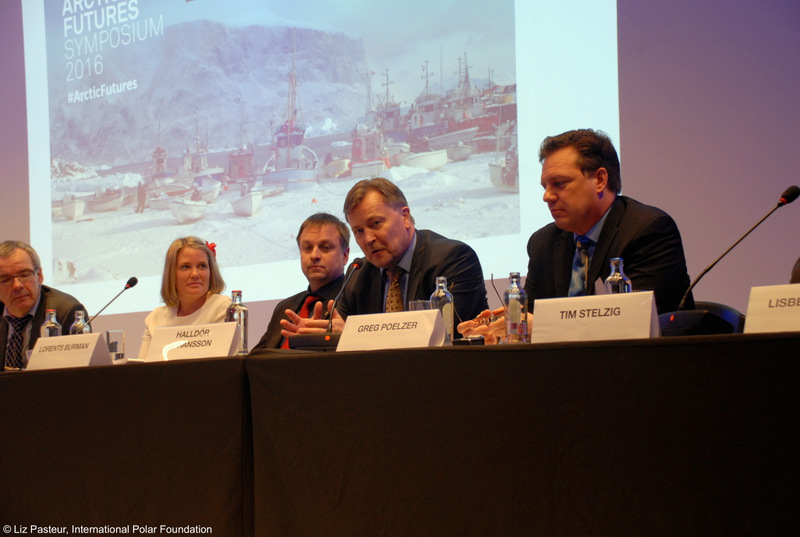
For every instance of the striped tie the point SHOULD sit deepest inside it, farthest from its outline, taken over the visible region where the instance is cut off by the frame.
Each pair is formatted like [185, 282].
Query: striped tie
[14, 359]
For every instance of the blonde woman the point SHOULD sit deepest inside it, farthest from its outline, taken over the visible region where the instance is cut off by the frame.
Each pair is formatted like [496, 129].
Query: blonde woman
[190, 287]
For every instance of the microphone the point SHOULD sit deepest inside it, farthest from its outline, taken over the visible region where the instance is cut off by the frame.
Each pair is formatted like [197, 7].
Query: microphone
[788, 196]
[132, 281]
[354, 266]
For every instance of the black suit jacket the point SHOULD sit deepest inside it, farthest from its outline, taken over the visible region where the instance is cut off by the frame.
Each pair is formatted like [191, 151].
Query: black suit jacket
[646, 238]
[272, 338]
[434, 255]
[49, 298]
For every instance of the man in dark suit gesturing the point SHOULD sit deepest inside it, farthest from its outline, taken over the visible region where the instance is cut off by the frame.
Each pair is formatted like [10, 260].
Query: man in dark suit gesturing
[24, 300]
[384, 229]
[324, 243]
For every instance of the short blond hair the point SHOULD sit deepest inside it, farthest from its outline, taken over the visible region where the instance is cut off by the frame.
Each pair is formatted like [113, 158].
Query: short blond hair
[169, 288]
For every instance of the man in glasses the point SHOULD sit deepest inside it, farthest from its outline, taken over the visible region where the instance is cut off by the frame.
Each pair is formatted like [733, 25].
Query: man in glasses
[24, 300]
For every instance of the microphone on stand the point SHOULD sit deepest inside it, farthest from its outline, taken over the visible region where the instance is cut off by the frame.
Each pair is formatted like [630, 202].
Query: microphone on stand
[788, 196]
[132, 281]
[354, 266]
[701, 321]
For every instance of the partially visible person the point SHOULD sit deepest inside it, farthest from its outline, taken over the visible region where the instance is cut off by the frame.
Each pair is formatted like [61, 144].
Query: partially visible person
[24, 300]
[381, 222]
[795, 272]
[190, 288]
[324, 243]
[594, 223]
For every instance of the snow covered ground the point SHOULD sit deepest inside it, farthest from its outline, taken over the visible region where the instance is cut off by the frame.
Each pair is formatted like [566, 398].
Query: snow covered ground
[457, 201]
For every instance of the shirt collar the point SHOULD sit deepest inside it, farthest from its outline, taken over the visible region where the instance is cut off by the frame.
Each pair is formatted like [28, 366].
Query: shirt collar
[594, 231]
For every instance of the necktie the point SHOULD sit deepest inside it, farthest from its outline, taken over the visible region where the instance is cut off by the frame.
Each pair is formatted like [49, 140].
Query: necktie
[14, 359]
[580, 267]
[394, 297]
[305, 313]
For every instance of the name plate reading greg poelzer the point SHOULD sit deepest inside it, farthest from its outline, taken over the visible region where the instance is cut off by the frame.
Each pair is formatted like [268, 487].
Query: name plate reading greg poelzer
[396, 330]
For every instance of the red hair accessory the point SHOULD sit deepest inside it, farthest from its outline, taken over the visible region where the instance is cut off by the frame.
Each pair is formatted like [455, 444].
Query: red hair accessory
[212, 247]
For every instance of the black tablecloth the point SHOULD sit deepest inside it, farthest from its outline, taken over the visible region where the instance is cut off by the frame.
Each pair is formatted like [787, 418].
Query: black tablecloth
[675, 436]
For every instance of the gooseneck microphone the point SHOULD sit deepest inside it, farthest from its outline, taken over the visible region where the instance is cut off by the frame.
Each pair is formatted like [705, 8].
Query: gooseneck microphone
[788, 196]
[132, 281]
[354, 266]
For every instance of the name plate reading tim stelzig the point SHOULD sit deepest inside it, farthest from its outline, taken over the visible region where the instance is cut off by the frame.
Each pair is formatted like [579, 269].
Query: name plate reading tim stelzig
[78, 350]
[588, 318]
[397, 330]
[194, 341]
[773, 308]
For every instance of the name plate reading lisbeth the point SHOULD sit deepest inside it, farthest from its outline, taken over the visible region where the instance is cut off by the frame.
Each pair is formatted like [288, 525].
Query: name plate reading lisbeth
[588, 318]
[396, 330]
[78, 350]
[773, 308]
[194, 341]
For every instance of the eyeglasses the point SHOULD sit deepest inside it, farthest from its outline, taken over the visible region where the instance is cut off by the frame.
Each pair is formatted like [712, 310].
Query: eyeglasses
[24, 277]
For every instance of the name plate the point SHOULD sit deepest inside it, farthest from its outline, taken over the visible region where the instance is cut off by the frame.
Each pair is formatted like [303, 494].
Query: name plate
[79, 350]
[773, 308]
[193, 341]
[396, 330]
[592, 318]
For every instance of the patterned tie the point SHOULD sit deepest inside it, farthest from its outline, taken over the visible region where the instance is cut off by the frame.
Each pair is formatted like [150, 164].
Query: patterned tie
[580, 267]
[394, 297]
[305, 313]
[14, 349]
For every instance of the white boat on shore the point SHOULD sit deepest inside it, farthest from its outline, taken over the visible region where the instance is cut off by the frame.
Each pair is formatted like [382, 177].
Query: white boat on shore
[72, 208]
[248, 204]
[105, 202]
[459, 152]
[501, 176]
[430, 160]
[443, 141]
[187, 211]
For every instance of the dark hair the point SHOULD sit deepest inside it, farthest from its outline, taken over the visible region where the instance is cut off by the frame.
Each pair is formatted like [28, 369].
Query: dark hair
[595, 150]
[390, 192]
[320, 219]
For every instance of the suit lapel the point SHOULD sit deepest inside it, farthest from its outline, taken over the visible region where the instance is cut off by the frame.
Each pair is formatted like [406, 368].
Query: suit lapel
[607, 234]
[562, 257]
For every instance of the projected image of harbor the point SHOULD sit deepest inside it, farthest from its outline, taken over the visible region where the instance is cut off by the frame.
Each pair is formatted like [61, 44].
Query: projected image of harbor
[236, 120]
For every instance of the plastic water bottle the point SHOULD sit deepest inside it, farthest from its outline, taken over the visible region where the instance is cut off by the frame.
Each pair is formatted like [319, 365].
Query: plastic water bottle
[617, 282]
[516, 304]
[51, 326]
[237, 313]
[443, 300]
[80, 326]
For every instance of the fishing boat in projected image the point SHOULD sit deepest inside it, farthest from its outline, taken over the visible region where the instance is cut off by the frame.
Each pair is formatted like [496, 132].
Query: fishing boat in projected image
[247, 204]
[105, 201]
[72, 208]
[430, 160]
[187, 210]
[292, 163]
[458, 152]
[368, 157]
[504, 173]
